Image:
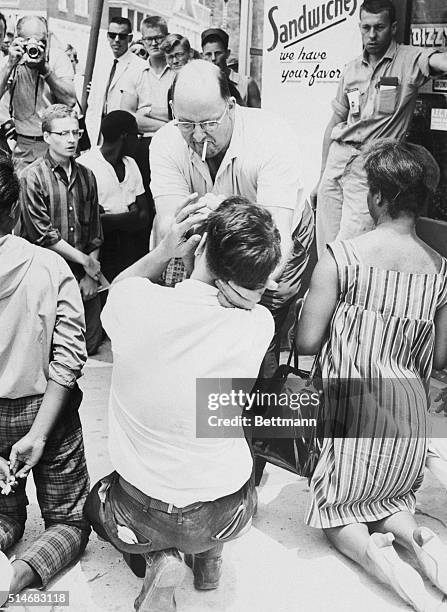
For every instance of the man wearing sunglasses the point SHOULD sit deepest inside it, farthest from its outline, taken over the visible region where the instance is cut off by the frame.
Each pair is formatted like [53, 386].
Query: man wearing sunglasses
[233, 151]
[109, 75]
[148, 101]
[60, 211]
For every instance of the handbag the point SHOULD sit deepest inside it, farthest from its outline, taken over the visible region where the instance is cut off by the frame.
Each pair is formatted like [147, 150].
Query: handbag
[295, 448]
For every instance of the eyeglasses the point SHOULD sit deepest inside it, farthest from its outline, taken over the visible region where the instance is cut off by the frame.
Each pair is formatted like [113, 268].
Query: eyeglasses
[120, 35]
[170, 57]
[205, 126]
[150, 40]
[66, 133]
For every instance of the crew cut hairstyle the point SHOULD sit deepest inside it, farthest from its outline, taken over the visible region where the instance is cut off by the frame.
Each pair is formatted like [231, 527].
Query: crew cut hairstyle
[56, 111]
[123, 21]
[172, 40]
[243, 243]
[221, 77]
[9, 185]
[377, 6]
[403, 173]
[154, 21]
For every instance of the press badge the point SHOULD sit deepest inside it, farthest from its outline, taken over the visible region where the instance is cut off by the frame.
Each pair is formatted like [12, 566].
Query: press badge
[354, 100]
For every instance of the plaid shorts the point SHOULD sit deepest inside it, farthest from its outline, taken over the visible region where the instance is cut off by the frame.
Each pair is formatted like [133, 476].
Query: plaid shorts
[62, 486]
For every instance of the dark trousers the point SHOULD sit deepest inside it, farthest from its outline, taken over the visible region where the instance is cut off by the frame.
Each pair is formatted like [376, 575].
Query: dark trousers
[142, 158]
[205, 526]
[62, 486]
[93, 333]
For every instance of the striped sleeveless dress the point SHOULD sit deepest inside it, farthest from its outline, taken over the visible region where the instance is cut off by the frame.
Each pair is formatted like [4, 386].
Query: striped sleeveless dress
[382, 330]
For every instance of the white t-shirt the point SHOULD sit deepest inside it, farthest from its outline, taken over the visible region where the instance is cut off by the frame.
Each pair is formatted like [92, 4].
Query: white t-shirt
[163, 339]
[113, 196]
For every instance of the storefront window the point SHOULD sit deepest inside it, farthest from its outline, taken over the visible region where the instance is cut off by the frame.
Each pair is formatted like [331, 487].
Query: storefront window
[429, 126]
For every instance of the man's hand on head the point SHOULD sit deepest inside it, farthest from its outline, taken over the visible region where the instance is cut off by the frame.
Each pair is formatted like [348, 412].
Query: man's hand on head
[211, 201]
[233, 296]
[176, 243]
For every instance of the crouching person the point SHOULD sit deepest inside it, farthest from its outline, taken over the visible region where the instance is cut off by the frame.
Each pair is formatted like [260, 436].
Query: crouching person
[42, 352]
[172, 491]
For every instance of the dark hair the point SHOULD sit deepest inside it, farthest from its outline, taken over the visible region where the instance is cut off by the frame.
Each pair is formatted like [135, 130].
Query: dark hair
[3, 20]
[221, 77]
[123, 21]
[117, 123]
[243, 243]
[377, 6]
[213, 38]
[154, 21]
[9, 185]
[172, 40]
[403, 173]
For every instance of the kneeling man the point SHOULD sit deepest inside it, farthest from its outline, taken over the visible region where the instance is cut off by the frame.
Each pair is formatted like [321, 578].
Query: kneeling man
[173, 491]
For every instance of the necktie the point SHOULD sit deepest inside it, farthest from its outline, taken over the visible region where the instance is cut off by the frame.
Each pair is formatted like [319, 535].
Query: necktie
[112, 74]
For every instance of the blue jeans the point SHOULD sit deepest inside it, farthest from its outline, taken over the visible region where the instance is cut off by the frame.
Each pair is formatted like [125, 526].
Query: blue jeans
[201, 527]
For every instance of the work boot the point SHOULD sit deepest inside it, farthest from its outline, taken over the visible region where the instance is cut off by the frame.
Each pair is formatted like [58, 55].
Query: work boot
[207, 568]
[164, 572]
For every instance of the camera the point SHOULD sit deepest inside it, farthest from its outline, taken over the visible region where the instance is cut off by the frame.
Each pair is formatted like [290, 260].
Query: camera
[34, 50]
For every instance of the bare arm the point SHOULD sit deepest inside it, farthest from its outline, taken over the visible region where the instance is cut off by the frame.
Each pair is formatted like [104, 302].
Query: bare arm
[148, 119]
[88, 262]
[253, 94]
[62, 88]
[283, 218]
[174, 244]
[440, 349]
[438, 63]
[319, 306]
[15, 54]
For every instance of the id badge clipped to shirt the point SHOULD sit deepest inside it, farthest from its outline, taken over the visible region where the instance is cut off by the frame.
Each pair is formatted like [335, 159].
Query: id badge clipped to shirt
[354, 100]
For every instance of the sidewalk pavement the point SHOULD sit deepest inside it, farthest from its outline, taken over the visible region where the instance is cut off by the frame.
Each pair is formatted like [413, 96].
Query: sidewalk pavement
[281, 565]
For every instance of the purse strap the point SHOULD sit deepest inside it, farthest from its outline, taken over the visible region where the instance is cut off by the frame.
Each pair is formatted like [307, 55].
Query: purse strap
[293, 355]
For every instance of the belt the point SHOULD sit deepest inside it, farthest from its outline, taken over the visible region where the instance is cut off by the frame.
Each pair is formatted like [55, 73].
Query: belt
[155, 504]
[35, 138]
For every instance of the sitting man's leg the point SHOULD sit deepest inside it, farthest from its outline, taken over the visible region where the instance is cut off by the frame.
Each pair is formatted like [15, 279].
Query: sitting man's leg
[62, 486]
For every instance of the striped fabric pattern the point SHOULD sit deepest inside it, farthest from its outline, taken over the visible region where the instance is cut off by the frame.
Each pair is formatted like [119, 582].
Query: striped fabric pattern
[382, 331]
[53, 207]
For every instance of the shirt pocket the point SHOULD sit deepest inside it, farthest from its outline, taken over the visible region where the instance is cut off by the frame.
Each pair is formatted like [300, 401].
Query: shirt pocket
[387, 100]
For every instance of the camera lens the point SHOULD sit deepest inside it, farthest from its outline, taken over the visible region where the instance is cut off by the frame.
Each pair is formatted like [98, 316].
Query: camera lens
[33, 51]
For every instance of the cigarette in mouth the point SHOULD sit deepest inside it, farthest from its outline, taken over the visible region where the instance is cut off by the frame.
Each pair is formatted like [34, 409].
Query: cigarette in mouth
[205, 144]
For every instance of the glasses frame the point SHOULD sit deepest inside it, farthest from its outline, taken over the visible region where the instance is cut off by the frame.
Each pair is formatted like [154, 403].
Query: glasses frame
[121, 35]
[204, 125]
[65, 133]
[151, 39]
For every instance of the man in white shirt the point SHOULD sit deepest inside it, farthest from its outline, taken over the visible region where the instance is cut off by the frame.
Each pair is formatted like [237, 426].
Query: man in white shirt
[110, 74]
[215, 148]
[121, 195]
[174, 490]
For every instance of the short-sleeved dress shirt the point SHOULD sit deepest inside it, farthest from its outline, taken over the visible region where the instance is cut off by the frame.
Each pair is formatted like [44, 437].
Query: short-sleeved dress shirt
[385, 112]
[262, 163]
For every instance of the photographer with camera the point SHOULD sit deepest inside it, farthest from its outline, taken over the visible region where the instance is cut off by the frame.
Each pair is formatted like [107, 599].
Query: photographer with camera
[33, 77]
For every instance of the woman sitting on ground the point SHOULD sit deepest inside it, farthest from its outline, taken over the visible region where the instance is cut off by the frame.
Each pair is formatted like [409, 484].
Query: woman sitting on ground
[377, 307]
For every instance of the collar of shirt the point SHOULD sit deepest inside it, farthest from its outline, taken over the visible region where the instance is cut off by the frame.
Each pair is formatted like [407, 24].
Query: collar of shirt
[124, 57]
[59, 170]
[96, 152]
[389, 54]
[158, 75]
[198, 290]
